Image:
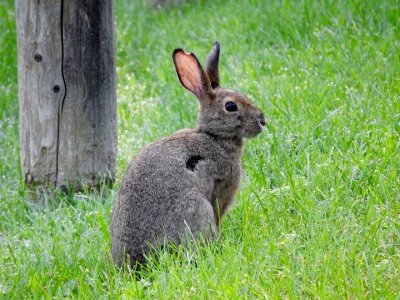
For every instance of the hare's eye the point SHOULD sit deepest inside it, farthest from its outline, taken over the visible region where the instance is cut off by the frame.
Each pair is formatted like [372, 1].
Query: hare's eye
[231, 106]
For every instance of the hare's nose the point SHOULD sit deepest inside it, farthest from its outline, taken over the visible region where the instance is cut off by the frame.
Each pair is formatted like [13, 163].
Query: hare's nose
[262, 120]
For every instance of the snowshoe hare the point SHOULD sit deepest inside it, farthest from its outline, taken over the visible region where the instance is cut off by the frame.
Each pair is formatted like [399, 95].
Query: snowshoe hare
[178, 188]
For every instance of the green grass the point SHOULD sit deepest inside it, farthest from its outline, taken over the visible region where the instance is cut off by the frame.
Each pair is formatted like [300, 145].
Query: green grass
[318, 212]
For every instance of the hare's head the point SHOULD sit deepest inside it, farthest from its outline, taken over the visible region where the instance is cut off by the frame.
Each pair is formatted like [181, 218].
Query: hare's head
[223, 113]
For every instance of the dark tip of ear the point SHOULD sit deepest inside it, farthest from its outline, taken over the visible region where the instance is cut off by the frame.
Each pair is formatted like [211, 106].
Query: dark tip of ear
[176, 51]
[216, 48]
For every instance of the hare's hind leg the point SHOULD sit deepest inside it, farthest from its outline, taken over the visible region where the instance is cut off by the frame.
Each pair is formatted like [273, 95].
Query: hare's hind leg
[199, 218]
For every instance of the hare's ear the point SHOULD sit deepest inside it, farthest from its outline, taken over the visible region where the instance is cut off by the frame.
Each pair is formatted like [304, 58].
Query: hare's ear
[212, 65]
[191, 74]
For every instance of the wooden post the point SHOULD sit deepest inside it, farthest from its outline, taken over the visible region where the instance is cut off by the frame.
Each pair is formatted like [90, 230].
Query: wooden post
[67, 94]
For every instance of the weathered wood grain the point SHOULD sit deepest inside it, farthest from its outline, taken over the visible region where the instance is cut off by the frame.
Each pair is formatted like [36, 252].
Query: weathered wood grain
[39, 71]
[66, 69]
[88, 128]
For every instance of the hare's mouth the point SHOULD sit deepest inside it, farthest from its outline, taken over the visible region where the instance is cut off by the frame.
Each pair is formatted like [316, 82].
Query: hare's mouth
[254, 131]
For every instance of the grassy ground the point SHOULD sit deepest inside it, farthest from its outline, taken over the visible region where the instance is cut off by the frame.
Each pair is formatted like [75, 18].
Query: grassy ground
[318, 213]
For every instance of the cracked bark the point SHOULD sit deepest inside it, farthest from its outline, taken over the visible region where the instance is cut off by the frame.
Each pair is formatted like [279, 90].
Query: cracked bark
[67, 95]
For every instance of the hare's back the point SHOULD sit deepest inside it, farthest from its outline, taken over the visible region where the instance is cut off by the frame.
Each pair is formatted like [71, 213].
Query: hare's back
[163, 173]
